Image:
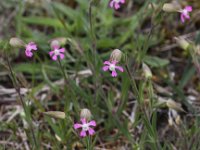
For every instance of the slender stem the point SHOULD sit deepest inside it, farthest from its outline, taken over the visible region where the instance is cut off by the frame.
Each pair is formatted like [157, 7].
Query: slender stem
[63, 71]
[88, 143]
[17, 88]
[133, 83]
[93, 48]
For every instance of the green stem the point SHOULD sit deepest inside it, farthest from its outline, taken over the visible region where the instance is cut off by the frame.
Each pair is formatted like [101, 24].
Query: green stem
[93, 49]
[88, 143]
[17, 88]
[63, 71]
[133, 83]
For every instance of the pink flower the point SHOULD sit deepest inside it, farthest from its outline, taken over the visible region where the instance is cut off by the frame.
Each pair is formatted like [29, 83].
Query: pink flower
[57, 52]
[116, 3]
[29, 47]
[112, 67]
[85, 127]
[185, 13]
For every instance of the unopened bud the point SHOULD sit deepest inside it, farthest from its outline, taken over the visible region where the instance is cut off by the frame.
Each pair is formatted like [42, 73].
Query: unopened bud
[178, 120]
[174, 105]
[58, 41]
[55, 114]
[54, 44]
[16, 42]
[85, 113]
[184, 44]
[116, 55]
[58, 138]
[170, 121]
[171, 7]
[147, 72]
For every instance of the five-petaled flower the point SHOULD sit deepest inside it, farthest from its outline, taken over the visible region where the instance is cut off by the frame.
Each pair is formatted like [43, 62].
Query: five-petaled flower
[29, 47]
[112, 67]
[85, 127]
[185, 13]
[116, 3]
[57, 52]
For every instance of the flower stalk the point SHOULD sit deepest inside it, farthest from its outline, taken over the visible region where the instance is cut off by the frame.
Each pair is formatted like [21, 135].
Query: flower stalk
[17, 88]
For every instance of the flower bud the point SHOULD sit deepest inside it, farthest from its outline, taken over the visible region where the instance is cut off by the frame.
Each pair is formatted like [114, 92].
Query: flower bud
[116, 55]
[170, 121]
[59, 41]
[55, 114]
[184, 44]
[174, 105]
[147, 72]
[54, 44]
[85, 113]
[16, 42]
[178, 120]
[171, 7]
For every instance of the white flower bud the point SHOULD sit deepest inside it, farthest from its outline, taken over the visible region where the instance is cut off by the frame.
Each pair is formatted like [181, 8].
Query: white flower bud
[85, 113]
[184, 44]
[54, 44]
[147, 71]
[58, 41]
[55, 114]
[116, 55]
[174, 105]
[16, 42]
[171, 7]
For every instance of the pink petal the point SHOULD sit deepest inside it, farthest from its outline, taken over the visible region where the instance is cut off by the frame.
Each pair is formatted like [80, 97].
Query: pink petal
[54, 57]
[77, 125]
[117, 6]
[114, 73]
[28, 53]
[31, 46]
[83, 133]
[122, 1]
[91, 131]
[182, 18]
[62, 56]
[105, 68]
[187, 16]
[114, 62]
[83, 120]
[112, 3]
[188, 8]
[106, 63]
[51, 53]
[119, 68]
[34, 47]
[62, 50]
[92, 123]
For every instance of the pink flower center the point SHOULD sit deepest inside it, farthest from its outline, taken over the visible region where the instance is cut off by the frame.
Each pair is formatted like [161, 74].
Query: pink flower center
[112, 67]
[56, 52]
[85, 127]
